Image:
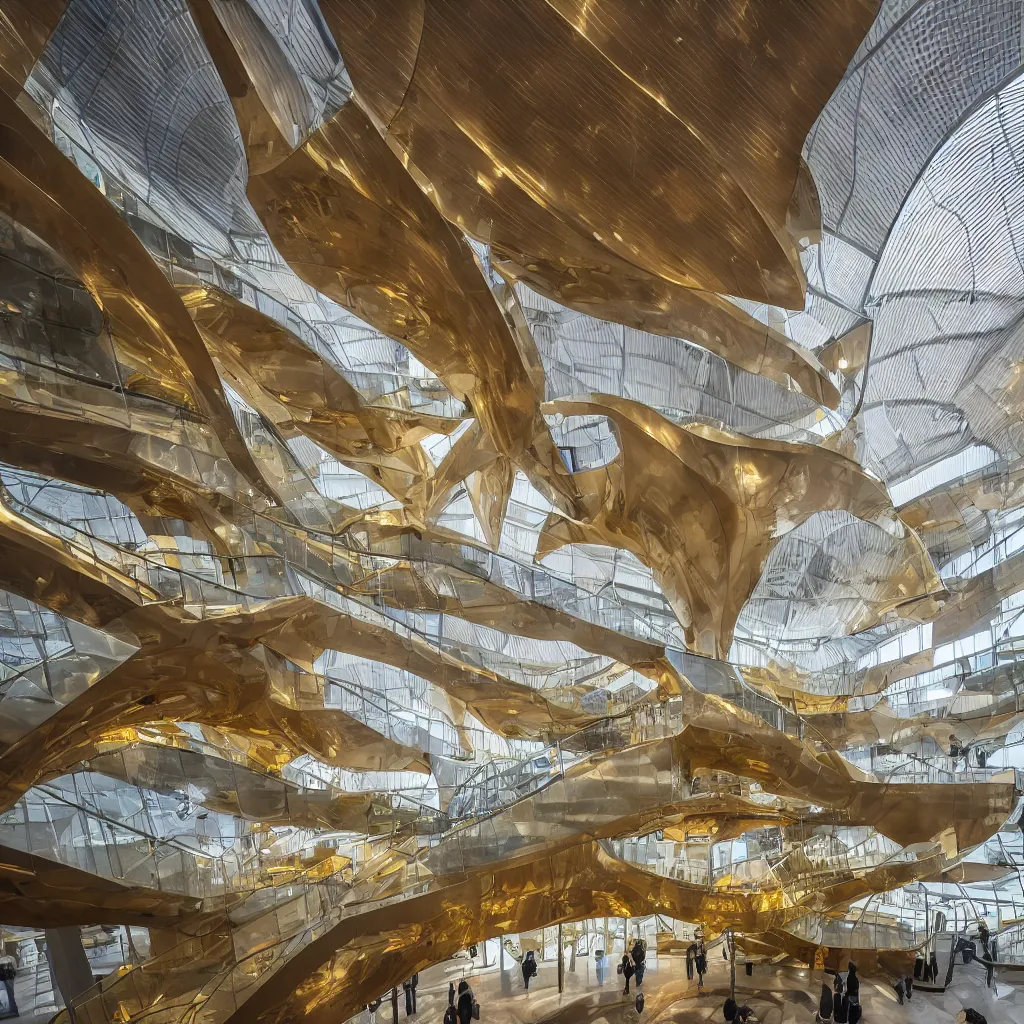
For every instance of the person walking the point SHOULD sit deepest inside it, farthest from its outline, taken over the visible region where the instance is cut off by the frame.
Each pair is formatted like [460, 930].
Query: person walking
[450, 1016]
[840, 999]
[700, 963]
[639, 957]
[8, 972]
[901, 991]
[466, 1004]
[852, 997]
[529, 968]
[626, 970]
[853, 985]
[987, 953]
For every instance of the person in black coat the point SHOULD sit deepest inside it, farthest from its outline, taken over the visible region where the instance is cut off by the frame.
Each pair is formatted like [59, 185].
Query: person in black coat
[639, 956]
[840, 999]
[853, 985]
[850, 1009]
[987, 954]
[824, 1014]
[8, 972]
[626, 969]
[529, 968]
[465, 1005]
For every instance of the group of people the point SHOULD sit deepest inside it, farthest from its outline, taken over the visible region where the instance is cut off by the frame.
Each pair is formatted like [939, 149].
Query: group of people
[466, 1010]
[634, 963]
[840, 1004]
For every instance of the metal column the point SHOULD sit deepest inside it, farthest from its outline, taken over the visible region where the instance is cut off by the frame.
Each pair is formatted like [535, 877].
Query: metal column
[732, 964]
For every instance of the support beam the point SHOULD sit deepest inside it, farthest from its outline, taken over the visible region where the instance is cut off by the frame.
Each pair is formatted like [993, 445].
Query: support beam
[69, 964]
[561, 961]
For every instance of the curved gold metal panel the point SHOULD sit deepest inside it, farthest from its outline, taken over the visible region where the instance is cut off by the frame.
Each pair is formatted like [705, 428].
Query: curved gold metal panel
[41, 894]
[230, 783]
[349, 220]
[300, 392]
[747, 79]
[703, 508]
[579, 228]
[24, 30]
[160, 349]
[496, 76]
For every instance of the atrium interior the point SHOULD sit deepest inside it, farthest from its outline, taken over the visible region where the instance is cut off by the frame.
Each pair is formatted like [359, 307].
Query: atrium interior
[518, 492]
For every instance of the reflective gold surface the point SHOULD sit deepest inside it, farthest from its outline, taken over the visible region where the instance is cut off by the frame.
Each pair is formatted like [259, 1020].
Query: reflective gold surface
[709, 234]
[580, 227]
[369, 949]
[704, 508]
[402, 268]
[755, 133]
[227, 781]
[263, 128]
[237, 684]
[343, 211]
[159, 351]
[36, 892]
[24, 30]
[301, 393]
[321, 697]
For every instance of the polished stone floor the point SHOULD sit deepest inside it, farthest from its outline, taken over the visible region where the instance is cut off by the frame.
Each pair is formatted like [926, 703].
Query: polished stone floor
[777, 995]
